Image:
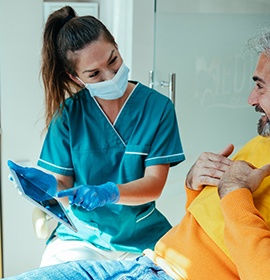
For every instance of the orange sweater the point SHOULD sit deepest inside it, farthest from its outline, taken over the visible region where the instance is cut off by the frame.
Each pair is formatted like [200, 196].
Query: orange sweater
[235, 249]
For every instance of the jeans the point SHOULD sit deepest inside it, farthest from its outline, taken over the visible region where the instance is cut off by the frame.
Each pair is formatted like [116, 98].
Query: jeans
[140, 269]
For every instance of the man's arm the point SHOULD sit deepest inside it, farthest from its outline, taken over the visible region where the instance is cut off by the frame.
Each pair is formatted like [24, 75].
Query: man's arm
[246, 234]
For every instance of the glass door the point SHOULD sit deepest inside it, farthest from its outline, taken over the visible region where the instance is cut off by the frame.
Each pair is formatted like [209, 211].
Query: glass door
[203, 43]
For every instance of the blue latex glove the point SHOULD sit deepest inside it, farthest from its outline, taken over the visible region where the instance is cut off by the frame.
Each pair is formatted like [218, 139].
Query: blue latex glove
[36, 183]
[91, 197]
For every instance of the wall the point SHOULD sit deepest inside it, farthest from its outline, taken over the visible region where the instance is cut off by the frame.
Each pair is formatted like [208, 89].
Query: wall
[132, 24]
[21, 124]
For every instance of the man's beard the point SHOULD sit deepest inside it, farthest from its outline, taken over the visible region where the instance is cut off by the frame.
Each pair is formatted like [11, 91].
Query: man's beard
[264, 128]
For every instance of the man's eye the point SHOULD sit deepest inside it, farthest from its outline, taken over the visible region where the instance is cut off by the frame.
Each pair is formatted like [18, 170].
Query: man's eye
[258, 86]
[94, 74]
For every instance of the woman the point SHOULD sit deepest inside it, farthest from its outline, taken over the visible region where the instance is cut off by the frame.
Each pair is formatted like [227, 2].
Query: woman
[110, 143]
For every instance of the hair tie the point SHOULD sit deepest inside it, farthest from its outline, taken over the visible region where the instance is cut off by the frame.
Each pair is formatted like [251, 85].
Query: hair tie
[61, 25]
[65, 20]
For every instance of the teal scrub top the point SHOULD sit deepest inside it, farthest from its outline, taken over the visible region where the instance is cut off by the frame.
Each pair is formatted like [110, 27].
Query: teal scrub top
[84, 144]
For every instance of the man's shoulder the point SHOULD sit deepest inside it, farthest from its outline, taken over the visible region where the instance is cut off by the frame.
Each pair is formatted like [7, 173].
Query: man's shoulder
[256, 151]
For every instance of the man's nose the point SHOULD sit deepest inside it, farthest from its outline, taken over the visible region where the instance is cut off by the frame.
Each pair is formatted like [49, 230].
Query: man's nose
[253, 98]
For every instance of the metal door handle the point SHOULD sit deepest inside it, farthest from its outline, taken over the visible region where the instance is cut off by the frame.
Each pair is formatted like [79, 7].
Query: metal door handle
[151, 79]
[170, 85]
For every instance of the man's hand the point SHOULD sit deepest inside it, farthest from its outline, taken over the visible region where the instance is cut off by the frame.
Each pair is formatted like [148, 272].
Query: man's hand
[242, 174]
[208, 169]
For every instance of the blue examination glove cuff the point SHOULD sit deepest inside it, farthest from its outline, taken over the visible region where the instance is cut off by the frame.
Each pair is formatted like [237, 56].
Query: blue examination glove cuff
[114, 191]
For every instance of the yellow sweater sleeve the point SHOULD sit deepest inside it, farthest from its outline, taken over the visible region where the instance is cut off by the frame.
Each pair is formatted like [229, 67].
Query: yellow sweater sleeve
[247, 236]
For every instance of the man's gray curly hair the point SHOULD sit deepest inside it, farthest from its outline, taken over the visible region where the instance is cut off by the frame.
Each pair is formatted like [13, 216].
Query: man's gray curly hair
[261, 42]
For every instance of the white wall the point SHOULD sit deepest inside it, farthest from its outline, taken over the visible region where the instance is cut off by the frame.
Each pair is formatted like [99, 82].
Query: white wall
[21, 123]
[132, 24]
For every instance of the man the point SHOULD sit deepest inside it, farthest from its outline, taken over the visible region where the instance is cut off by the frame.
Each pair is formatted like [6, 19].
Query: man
[225, 232]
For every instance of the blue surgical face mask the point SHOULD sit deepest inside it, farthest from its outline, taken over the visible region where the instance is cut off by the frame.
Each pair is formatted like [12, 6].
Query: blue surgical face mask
[111, 89]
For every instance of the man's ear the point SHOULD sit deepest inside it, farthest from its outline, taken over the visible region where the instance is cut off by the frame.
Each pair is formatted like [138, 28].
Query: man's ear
[76, 80]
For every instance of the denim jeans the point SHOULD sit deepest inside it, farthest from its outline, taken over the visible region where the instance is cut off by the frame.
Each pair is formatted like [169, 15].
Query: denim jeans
[140, 269]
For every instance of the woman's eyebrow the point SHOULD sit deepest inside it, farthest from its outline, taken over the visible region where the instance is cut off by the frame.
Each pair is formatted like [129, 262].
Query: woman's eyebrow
[109, 59]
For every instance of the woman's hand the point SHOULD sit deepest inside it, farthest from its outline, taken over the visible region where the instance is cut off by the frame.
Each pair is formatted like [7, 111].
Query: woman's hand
[90, 197]
[37, 184]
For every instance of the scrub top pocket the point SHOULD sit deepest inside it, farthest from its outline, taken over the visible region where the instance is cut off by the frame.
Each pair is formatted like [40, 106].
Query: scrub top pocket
[133, 162]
